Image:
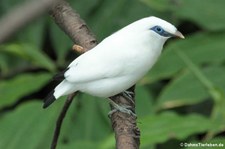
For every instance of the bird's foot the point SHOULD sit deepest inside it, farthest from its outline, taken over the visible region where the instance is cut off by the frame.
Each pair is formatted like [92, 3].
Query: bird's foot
[129, 95]
[123, 108]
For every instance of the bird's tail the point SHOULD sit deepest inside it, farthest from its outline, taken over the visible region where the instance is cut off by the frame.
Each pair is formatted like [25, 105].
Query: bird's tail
[49, 99]
[64, 88]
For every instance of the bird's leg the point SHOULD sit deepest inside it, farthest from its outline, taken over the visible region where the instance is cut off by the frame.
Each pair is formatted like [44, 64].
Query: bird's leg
[128, 95]
[123, 108]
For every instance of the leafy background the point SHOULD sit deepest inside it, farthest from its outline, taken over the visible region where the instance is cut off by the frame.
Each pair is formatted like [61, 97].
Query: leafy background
[180, 100]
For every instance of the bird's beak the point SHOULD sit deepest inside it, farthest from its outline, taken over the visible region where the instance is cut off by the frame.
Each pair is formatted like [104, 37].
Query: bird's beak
[179, 34]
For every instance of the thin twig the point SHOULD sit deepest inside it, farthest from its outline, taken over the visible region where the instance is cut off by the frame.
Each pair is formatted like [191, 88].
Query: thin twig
[60, 120]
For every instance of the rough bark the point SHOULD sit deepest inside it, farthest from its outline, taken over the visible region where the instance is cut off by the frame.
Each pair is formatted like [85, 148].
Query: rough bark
[71, 23]
[124, 125]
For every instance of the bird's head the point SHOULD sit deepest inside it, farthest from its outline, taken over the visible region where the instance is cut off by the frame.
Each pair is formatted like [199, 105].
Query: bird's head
[154, 28]
[162, 28]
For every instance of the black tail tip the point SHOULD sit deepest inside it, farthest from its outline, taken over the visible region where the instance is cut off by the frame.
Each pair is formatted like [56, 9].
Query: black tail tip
[49, 100]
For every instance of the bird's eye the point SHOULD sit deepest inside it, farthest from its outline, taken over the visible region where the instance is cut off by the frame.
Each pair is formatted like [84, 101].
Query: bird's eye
[159, 29]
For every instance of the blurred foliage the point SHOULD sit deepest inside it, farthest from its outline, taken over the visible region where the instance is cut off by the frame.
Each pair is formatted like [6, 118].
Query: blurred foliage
[180, 100]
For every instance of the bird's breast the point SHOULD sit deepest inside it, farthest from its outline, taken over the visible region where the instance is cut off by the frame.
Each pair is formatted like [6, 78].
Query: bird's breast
[140, 60]
[107, 87]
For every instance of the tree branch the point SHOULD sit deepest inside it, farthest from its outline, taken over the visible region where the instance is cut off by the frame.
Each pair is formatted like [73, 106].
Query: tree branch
[20, 16]
[71, 23]
[126, 132]
[60, 120]
[124, 125]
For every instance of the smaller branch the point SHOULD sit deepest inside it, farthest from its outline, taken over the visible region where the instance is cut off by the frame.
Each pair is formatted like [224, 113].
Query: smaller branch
[20, 16]
[78, 48]
[60, 120]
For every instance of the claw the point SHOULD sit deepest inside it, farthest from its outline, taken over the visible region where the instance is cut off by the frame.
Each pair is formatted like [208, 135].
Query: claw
[124, 109]
[128, 95]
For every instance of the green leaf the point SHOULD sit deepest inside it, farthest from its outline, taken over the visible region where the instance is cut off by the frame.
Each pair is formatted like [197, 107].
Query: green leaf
[10, 64]
[160, 5]
[3, 64]
[20, 86]
[120, 12]
[212, 89]
[187, 89]
[208, 14]
[108, 143]
[28, 127]
[33, 33]
[207, 50]
[168, 125]
[143, 101]
[79, 144]
[30, 53]
[90, 6]
[61, 42]
[217, 117]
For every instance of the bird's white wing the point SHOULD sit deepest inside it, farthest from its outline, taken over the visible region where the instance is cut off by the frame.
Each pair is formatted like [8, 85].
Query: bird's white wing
[93, 66]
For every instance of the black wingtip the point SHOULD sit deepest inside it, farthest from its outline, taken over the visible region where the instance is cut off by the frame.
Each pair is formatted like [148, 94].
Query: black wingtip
[49, 100]
[60, 76]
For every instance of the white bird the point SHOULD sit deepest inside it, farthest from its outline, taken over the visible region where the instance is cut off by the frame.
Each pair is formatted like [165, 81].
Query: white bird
[118, 62]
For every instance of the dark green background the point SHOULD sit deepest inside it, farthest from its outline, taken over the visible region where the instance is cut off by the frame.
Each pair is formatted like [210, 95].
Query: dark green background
[180, 100]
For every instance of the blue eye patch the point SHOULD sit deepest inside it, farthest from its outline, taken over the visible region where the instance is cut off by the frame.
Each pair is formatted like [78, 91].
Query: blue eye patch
[159, 30]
